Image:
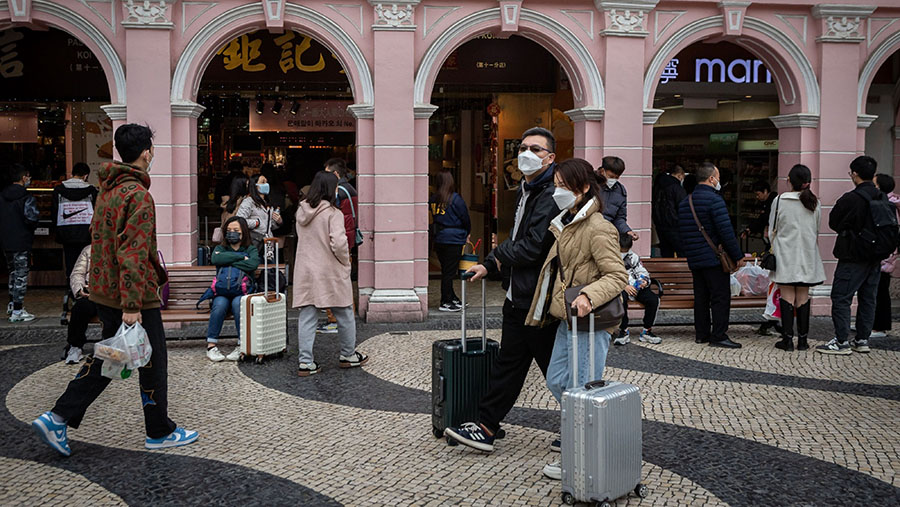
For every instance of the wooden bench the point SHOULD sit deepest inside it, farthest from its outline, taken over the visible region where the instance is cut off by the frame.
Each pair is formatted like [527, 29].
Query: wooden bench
[186, 285]
[678, 285]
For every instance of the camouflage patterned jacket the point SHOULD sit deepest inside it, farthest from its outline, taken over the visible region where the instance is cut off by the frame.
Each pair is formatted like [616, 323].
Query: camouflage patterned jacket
[125, 270]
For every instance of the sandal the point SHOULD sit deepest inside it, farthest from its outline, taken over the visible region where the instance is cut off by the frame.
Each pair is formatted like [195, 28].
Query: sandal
[307, 369]
[354, 361]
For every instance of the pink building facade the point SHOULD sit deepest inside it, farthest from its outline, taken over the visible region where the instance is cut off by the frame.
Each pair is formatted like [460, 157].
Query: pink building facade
[822, 57]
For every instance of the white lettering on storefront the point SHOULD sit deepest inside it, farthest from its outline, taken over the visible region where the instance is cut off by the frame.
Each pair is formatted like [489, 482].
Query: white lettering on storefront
[706, 70]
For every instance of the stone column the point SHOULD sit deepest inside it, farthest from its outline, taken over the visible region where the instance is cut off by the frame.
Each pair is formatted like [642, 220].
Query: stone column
[148, 58]
[400, 238]
[841, 31]
[624, 28]
[182, 189]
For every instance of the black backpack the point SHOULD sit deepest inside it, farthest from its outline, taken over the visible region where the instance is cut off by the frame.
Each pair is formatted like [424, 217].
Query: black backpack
[880, 237]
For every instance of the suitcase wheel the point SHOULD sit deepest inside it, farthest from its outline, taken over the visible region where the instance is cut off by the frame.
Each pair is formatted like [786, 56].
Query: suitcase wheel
[568, 499]
[436, 432]
[501, 434]
[603, 504]
[451, 442]
[641, 490]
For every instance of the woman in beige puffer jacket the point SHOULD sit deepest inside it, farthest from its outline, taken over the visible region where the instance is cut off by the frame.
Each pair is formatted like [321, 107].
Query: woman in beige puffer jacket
[587, 250]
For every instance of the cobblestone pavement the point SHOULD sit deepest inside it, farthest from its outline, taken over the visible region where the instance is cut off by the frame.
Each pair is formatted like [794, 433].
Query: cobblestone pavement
[755, 426]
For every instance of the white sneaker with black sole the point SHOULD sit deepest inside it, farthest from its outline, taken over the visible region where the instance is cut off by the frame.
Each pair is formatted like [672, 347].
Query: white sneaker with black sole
[450, 307]
[553, 471]
[622, 338]
[74, 355]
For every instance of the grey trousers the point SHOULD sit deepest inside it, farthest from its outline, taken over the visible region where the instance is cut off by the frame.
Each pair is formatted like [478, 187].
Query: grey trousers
[860, 278]
[306, 331]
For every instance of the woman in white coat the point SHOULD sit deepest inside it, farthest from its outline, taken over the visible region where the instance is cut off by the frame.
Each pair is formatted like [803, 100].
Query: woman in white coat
[794, 230]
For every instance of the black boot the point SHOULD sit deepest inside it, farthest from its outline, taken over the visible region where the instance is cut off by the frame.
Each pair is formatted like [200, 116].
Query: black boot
[787, 327]
[803, 325]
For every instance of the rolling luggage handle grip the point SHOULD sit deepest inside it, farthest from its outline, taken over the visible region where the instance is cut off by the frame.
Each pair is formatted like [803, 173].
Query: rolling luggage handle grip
[594, 383]
[465, 277]
[274, 297]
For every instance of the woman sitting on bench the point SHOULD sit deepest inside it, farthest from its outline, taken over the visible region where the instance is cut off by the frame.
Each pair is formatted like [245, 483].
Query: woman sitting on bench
[236, 251]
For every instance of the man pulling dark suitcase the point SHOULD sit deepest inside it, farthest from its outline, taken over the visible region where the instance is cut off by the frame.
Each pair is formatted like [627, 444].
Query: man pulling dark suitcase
[519, 259]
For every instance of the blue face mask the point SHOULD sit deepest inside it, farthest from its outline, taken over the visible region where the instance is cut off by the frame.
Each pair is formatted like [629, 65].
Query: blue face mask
[263, 188]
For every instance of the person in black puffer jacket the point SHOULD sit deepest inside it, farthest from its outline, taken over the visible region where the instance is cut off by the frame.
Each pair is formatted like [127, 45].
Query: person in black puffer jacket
[19, 216]
[711, 284]
[668, 192]
[520, 259]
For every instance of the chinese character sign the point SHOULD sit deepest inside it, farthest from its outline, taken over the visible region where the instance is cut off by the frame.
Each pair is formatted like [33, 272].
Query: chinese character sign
[669, 72]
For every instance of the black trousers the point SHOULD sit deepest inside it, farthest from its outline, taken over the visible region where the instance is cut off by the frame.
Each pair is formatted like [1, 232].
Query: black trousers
[71, 251]
[712, 295]
[650, 300]
[88, 383]
[669, 242]
[520, 344]
[449, 256]
[79, 317]
[883, 304]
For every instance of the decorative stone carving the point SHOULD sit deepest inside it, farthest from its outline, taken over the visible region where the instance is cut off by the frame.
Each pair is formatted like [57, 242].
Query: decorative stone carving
[116, 112]
[795, 120]
[187, 109]
[626, 18]
[394, 15]
[651, 116]
[733, 12]
[147, 14]
[509, 16]
[842, 23]
[20, 11]
[585, 114]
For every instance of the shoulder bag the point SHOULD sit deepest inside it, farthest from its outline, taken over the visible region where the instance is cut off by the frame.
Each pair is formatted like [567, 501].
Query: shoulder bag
[358, 237]
[767, 261]
[728, 265]
[607, 315]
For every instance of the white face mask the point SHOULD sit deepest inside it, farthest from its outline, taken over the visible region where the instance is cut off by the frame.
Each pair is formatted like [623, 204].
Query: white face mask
[611, 182]
[150, 165]
[718, 185]
[565, 199]
[529, 163]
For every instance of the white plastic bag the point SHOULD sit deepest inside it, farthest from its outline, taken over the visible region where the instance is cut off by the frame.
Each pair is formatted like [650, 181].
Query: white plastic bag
[754, 280]
[124, 352]
[735, 287]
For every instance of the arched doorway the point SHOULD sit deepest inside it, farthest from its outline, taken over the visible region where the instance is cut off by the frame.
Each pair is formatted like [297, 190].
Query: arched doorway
[276, 103]
[488, 91]
[717, 100]
[50, 119]
[883, 105]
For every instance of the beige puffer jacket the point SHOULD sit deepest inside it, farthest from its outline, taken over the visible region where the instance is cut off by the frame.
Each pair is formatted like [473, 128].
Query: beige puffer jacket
[588, 248]
[78, 278]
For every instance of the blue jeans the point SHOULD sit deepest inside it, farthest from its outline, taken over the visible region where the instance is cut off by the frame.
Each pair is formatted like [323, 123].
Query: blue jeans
[559, 373]
[220, 307]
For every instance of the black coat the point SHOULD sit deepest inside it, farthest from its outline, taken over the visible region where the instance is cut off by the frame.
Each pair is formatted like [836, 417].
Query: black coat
[713, 214]
[667, 194]
[522, 257]
[759, 224]
[19, 216]
[849, 214]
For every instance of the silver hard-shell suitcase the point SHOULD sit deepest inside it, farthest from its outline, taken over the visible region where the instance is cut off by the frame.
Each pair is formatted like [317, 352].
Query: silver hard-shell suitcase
[601, 437]
[264, 318]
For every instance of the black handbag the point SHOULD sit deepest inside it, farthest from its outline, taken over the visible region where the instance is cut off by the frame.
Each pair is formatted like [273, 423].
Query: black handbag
[767, 261]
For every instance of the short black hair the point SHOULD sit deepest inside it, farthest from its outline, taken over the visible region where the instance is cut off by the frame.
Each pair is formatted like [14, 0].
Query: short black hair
[762, 186]
[614, 165]
[235, 166]
[864, 166]
[885, 183]
[677, 170]
[625, 241]
[81, 169]
[339, 166]
[131, 140]
[705, 171]
[546, 134]
[17, 172]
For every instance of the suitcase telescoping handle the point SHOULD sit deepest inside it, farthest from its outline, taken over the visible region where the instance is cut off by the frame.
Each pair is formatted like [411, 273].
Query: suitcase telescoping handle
[465, 277]
[274, 241]
[593, 383]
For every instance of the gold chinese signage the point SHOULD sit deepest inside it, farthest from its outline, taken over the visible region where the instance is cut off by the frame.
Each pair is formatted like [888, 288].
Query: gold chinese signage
[265, 57]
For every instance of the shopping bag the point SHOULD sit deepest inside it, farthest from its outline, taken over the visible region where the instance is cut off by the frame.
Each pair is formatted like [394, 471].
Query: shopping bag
[467, 260]
[735, 286]
[753, 278]
[124, 352]
[773, 305]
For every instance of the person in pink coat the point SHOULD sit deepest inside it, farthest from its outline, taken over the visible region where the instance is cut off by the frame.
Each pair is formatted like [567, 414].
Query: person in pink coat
[322, 274]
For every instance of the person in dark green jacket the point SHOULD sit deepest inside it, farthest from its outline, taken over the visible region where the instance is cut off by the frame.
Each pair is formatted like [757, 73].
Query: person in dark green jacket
[236, 251]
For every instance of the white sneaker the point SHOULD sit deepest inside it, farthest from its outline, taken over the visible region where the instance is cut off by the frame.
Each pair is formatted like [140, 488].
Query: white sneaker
[327, 328]
[214, 355]
[74, 355]
[235, 354]
[21, 316]
[9, 308]
[553, 471]
[622, 338]
[877, 334]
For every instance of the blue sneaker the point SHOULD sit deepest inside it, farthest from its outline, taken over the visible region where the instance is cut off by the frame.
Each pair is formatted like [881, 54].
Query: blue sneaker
[472, 435]
[52, 434]
[177, 438]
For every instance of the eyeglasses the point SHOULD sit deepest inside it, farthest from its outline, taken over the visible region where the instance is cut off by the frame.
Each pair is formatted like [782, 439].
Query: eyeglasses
[535, 148]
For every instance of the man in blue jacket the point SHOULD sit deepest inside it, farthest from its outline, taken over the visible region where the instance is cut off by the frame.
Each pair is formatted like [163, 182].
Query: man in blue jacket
[711, 284]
